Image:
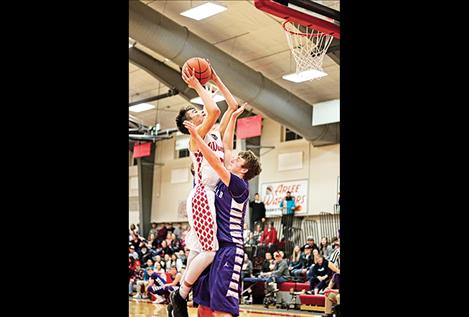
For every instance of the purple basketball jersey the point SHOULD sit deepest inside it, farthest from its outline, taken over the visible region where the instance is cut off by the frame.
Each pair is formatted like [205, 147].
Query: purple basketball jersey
[230, 206]
[220, 287]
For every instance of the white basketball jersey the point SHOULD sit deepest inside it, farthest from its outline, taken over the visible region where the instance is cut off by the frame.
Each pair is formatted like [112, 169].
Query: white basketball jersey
[204, 173]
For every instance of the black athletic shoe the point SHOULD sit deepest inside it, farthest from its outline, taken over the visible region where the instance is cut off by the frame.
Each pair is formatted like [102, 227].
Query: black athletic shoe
[169, 308]
[179, 305]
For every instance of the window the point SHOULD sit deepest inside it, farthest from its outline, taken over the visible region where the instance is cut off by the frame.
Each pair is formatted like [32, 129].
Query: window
[182, 153]
[289, 135]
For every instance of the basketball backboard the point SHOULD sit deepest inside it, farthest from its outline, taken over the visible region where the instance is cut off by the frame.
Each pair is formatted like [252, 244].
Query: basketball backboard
[311, 14]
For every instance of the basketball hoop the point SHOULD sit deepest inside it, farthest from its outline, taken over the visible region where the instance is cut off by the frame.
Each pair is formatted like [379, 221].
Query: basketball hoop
[308, 46]
[213, 91]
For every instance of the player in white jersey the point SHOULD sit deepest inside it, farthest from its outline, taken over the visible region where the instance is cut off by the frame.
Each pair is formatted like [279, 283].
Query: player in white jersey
[202, 238]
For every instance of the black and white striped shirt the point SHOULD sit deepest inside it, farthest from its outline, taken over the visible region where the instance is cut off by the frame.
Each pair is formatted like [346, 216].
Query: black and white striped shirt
[335, 258]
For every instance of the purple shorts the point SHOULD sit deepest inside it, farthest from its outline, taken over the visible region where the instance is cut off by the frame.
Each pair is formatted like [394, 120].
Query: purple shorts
[220, 287]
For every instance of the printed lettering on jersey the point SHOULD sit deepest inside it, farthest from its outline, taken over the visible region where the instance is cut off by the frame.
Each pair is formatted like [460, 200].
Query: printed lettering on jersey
[215, 147]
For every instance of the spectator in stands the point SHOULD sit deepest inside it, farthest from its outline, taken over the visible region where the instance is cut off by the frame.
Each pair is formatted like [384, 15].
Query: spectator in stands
[246, 233]
[153, 242]
[332, 244]
[324, 247]
[282, 254]
[315, 254]
[258, 210]
[247, 268]
[133, 229]
[136, 241]
[167, 261]
[332, 295]
[169, 239]
[321, 274]
[279, 274]
[160, 270]
[146, 254]
[269, 237]
[305, 262]
[166, 249]
[131, 264]
[169, 227]
[137, 275]
[161, 235]
[175, 279]
[256, 235]
[177, 231]
[147, 263]
[132, 252]
[186, 253]
[137, 229]
[175, 242]
[310, 241]
[185, 230]
[268, 263]
[251, 241]
[295, 258]
[175, 261]
[182, 257]
[159, 260]
[141, 284]
[288, 204]
[153, 231]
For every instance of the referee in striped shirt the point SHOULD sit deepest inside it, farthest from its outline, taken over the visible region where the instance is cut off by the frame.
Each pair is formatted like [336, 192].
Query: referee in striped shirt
[334, 257]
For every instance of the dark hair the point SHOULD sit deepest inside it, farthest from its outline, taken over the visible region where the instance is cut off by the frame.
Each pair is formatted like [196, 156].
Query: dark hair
[181, 117]
[251, 162]
[288, 192]
[272, 223]
[327, 242]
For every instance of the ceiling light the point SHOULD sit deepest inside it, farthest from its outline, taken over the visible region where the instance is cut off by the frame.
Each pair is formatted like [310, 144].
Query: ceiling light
[141, 107]
[304, 75]
[199, 101]
[203, 11]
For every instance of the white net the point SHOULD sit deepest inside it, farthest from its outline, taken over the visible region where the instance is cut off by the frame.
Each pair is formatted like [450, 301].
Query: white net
[307, 45]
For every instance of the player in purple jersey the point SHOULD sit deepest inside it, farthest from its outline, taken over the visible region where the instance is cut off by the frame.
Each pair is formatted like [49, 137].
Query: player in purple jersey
[220, 289]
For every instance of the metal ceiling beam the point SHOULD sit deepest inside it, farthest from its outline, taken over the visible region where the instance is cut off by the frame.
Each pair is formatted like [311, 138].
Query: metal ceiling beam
[171, 92]
[171, 40]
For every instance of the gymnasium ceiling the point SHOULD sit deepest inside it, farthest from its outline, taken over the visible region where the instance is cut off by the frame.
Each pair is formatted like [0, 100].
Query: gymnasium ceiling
[242, 31]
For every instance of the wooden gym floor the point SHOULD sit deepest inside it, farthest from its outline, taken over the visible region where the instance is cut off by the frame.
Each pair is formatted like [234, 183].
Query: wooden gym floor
[144, 308]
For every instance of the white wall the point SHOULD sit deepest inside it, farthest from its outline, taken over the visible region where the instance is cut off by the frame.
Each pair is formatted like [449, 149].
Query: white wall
[320, 166]
[134, 216]
[167, 196]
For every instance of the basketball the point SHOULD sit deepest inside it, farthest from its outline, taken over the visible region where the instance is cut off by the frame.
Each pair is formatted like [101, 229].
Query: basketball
[202, 70]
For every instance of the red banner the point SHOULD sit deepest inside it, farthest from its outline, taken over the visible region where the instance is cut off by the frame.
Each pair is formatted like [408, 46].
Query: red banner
[141, 150]
[249, 127]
